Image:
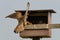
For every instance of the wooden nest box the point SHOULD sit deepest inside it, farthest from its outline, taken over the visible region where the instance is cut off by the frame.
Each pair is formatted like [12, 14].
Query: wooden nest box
[40, 20]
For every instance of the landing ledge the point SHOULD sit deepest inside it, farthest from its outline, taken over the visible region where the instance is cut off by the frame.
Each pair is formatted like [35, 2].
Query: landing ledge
[42, 26]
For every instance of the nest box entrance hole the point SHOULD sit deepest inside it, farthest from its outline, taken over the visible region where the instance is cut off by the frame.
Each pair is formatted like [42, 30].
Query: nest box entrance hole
[38, 18]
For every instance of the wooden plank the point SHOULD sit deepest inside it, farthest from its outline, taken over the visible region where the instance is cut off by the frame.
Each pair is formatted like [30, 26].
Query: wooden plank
[37, 26]
[42, 26]
[35, 33]
[54, 26]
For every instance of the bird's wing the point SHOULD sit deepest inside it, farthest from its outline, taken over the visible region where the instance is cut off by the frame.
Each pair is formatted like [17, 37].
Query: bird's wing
[12, 16]
[16, 15]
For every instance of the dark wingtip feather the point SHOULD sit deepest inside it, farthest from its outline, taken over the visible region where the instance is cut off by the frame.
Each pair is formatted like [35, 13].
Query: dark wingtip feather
[15, 31]
[6, 16]
[11, 16]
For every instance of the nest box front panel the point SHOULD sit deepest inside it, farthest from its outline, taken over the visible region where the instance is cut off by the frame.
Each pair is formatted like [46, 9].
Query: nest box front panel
[35, 33]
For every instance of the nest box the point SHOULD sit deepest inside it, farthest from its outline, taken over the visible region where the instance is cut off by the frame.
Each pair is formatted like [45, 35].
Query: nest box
[40, 20]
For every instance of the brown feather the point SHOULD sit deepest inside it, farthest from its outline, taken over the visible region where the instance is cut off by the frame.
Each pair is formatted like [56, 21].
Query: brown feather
[20, 18]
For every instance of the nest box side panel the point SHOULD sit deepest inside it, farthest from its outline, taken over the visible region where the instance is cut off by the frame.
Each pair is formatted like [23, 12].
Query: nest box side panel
[49, 21]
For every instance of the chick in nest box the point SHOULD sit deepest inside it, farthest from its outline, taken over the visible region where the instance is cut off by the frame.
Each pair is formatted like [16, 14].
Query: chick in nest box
[20, 18]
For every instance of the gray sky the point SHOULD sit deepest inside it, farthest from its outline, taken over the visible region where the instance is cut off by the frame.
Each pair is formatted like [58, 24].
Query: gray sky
[8, 6]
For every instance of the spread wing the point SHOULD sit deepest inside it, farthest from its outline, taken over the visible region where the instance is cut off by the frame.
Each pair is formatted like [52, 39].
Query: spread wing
[20, 18]
[12, 16]
[16, 15]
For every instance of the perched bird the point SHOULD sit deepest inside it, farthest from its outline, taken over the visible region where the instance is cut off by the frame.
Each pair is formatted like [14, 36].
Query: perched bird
[20, 18]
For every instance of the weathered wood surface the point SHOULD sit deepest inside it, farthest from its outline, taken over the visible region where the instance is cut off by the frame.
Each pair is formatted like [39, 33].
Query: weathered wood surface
[35, 33]
[38, 30]
[54, 26]
[37, 26]
[42, 26]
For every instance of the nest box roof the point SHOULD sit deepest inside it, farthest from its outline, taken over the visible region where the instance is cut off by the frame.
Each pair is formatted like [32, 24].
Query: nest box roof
[37, 11]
